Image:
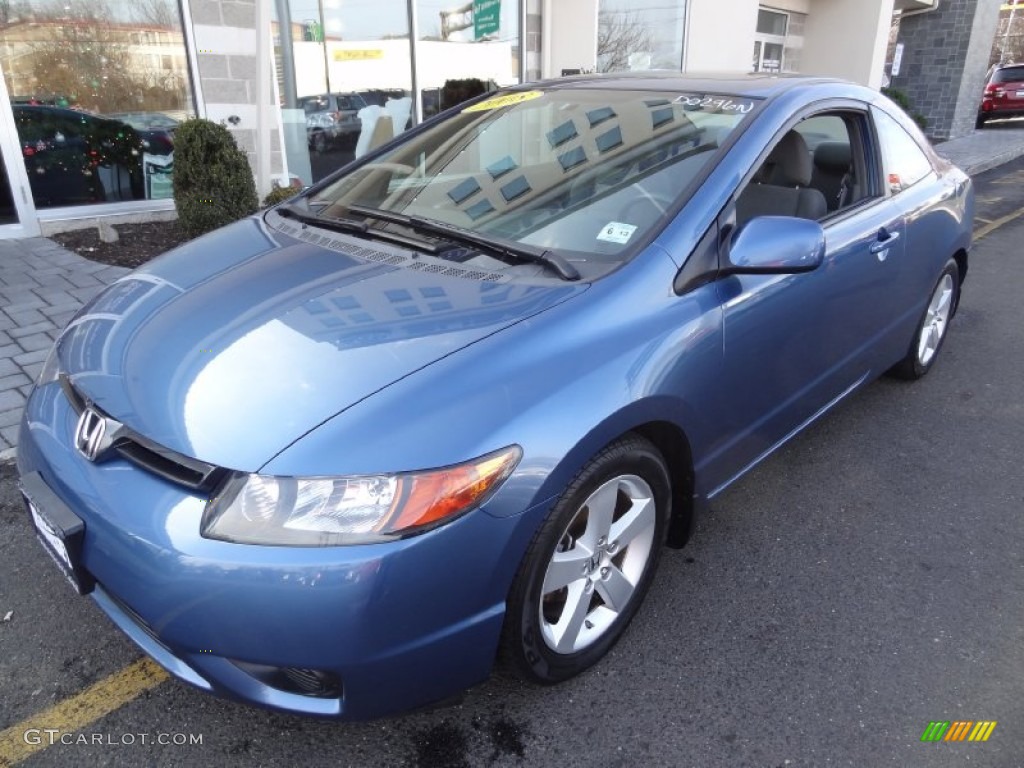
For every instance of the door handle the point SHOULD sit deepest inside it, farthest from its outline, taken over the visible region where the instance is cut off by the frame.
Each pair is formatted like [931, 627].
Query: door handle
[885, 241]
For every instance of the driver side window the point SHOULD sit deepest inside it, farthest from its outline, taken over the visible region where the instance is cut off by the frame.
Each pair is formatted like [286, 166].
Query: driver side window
[815, 170]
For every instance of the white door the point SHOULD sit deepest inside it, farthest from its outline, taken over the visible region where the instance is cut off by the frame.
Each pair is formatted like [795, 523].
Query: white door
[17, 211]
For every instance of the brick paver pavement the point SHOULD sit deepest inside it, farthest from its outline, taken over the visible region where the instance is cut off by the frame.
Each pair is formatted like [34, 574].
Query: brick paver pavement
[41, 286]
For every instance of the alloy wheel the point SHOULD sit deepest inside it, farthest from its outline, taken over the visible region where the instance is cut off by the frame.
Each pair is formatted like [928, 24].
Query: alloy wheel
[598, 562]
[936, 320]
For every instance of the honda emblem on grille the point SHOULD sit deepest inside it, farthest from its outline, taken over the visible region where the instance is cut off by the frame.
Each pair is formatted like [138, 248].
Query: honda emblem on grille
[89, 434]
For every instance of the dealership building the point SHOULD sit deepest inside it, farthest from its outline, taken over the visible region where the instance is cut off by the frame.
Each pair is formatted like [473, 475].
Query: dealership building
[92, 89]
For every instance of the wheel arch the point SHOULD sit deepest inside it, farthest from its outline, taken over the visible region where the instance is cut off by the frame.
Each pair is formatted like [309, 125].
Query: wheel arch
[645, 418]
[674, 446]
[960, 257]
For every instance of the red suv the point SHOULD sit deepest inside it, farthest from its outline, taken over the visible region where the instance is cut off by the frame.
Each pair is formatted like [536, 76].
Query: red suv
[1004, 94]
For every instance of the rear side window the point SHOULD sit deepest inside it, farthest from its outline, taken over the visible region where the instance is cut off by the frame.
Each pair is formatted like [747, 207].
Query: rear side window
[1008, 75]
[905, 161]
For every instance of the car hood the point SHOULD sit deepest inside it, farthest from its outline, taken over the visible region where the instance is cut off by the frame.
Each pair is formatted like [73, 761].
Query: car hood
[236, 344]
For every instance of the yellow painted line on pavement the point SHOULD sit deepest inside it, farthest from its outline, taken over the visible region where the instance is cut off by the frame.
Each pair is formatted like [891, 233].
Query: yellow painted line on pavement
[80, 710]
[988, 229]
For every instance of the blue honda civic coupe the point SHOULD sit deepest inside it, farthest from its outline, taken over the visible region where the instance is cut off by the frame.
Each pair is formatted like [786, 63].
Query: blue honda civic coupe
[450, 404]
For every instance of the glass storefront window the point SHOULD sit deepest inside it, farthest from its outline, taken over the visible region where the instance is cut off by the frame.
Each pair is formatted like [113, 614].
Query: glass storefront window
[633, 37]
[97, 89]
[345, 70]
[344, 78]
[465, 49]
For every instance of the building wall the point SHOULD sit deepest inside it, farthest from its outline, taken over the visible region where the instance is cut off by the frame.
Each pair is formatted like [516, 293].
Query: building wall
[945, 58]
[226, 37]
[719, 35]
[847, 39]
[569, 31]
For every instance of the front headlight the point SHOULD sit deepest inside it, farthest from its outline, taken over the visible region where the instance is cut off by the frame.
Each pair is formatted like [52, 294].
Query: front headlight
[331, 511]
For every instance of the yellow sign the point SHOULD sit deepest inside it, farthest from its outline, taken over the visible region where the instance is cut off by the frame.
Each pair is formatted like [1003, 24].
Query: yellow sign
[504, 101]
[357, 54]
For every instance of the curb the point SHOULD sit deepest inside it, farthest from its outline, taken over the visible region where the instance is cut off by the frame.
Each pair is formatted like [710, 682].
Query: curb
[994, 162]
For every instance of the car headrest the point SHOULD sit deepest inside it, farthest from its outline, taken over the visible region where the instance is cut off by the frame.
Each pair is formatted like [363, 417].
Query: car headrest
[789, 163]
[833, 157]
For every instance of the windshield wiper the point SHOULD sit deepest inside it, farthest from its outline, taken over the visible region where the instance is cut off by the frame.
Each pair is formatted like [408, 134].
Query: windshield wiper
[355, 227]
[548, 258]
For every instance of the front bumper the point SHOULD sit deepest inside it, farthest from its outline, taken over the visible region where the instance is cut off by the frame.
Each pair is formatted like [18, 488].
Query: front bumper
[400, 625]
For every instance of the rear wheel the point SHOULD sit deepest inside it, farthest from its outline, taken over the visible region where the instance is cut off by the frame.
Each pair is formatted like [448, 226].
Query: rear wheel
[979, 121]
[931, 331]
[590, 564]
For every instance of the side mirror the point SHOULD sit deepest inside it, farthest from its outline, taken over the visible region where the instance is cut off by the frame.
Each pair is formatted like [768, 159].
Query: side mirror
[776, 245]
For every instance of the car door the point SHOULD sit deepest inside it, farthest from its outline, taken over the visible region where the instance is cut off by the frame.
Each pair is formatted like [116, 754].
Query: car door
[926, 205]
[795, 344]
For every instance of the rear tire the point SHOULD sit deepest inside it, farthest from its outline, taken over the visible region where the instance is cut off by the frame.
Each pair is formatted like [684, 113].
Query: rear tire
[931, 330]
[979, 121]
[589, 565]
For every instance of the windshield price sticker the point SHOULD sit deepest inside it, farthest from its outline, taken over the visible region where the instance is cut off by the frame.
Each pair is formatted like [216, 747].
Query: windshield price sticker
[721, 104]
[616, 232]
[504, 101]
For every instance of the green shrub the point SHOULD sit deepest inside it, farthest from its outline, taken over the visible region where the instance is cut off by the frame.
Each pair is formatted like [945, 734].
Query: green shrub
[903, 101]
[213, 184]
[457, 91]
[279, 195]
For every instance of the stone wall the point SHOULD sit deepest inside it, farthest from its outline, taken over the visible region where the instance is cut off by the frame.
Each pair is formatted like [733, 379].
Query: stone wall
[945, 58]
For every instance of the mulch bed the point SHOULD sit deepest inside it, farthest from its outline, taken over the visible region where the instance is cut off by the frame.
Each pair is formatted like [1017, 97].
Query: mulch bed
[138, 243]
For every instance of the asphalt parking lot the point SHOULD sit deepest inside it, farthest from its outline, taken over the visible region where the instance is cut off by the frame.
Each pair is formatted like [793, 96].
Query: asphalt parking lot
[866, 580]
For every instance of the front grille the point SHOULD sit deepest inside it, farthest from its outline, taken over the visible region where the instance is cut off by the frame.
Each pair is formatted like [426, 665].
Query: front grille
[155, 458]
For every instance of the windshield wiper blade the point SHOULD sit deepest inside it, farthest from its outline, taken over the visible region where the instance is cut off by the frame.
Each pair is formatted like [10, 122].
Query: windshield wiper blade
[292, 211]
[548, 258]
[355, 227]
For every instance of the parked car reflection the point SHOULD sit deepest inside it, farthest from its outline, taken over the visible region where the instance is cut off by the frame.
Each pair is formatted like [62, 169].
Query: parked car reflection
[73, 157]
[332, 119]
[155, 129]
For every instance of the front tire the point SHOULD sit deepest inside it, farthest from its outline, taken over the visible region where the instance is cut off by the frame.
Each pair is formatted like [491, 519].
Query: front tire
[931, 330]
[590, 564]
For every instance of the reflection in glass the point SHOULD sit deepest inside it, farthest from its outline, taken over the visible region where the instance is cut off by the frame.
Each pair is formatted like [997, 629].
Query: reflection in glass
[345, 79]
[461, 53]
[97, 89]
[633, 37]
[585, 172]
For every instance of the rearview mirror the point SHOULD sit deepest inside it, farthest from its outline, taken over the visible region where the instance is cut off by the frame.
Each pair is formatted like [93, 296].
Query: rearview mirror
[776, 245]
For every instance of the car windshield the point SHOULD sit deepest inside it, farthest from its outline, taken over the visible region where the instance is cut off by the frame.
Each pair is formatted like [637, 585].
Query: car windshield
[1008, 75]
[582, 172]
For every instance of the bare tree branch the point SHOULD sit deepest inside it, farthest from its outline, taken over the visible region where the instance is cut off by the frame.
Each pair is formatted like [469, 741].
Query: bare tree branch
[618, 36]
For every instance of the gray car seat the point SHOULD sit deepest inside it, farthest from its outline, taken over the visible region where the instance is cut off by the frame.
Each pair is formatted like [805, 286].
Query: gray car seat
[782, 185]
[833, 172]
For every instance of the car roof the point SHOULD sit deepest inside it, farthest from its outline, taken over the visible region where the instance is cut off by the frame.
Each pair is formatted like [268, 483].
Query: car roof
[754, 85]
